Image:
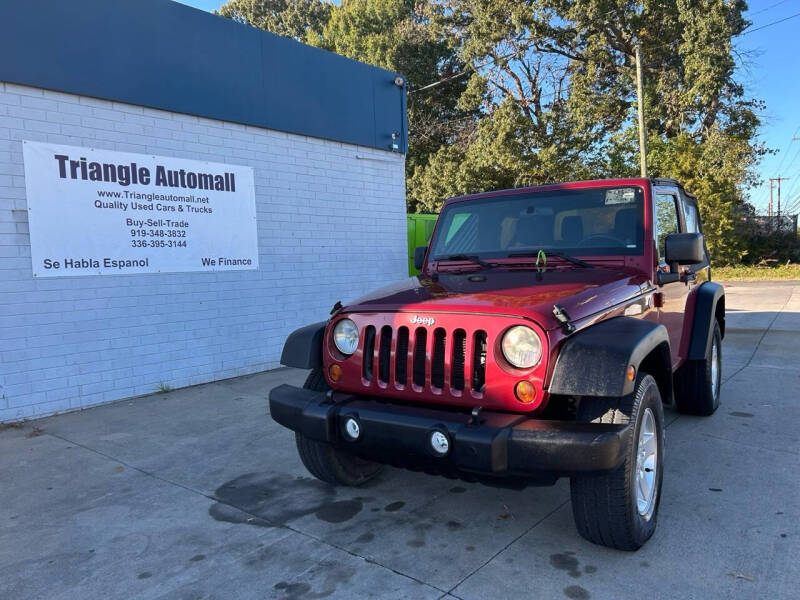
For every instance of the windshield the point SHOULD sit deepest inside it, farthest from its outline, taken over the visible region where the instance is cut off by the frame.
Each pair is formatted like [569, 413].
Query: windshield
[605, 221]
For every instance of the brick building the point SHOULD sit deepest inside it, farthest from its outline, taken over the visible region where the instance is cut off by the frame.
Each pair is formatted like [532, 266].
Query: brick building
[323, 135]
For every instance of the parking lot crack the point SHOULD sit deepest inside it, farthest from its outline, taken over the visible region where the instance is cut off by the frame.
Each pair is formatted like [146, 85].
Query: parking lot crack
[509, 544]
[760, 340]
[738, 442]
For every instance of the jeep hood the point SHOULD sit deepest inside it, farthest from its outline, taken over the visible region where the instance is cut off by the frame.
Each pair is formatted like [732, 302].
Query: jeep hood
[518, 292]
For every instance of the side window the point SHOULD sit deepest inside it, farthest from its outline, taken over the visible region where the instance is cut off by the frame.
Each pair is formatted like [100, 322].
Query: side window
[690, 215]
[666, 220]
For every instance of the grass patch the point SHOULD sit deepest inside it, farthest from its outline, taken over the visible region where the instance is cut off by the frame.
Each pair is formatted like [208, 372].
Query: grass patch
[753, 273]
[164, 388]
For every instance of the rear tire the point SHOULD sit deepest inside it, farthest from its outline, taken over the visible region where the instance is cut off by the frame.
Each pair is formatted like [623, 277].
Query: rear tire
[325, 462]
[701, 380]
[619, 509]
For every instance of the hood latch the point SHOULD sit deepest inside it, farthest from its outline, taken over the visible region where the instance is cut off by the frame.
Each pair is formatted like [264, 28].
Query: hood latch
[560, 313]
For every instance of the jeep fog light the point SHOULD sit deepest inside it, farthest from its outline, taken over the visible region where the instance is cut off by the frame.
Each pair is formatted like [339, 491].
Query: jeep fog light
[522, 347]
[345, 336]
[440, 444]
[352, 428]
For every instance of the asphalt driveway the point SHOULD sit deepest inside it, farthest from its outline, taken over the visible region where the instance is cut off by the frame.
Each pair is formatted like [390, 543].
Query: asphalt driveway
[196, 493]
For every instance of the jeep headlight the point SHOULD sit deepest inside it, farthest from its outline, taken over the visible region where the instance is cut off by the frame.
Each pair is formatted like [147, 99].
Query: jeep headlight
[345, 336]
[522, 347]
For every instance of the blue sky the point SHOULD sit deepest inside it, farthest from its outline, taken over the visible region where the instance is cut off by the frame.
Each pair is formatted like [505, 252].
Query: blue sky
[770, 70]
[203, 4]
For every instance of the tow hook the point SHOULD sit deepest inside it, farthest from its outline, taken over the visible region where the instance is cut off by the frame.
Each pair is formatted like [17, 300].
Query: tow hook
[560, 313]
[474, 417]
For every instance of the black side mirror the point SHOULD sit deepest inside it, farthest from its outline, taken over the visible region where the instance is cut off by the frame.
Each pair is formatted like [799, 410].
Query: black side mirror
[684, 248]
[419, 257]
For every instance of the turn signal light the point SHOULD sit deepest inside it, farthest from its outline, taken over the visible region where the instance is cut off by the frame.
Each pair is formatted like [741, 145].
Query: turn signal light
[335, 373]
[631, 373]
[525, 392]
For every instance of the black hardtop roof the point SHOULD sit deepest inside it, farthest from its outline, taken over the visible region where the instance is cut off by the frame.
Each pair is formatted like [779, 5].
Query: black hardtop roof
[675, 182]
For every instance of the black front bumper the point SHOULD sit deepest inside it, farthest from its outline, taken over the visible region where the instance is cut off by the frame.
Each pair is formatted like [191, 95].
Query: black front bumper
[496, 444]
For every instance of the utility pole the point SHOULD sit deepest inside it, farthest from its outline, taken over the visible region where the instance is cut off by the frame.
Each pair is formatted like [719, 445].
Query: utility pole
[769, 206]
[640, 98]
[778, 179]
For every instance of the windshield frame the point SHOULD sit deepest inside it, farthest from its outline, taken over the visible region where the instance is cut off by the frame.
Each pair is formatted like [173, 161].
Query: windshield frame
[614, 252]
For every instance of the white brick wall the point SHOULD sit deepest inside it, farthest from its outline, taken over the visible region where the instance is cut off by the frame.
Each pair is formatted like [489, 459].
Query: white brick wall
[331, 226]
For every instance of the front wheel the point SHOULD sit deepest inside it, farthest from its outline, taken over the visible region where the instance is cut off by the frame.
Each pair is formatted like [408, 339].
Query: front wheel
[325, 462]
[619, 509]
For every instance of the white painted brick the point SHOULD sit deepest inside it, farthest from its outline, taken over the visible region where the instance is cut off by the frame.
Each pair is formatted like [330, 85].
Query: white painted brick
[23, 90]
[70, 343]
[37, 102]
[9, 99]
[42, 126]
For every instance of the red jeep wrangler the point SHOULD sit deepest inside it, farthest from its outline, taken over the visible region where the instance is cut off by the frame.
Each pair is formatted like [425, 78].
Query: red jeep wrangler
[546, 330]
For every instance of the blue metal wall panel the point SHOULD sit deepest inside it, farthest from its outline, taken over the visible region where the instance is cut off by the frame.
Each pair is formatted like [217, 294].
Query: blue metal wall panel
[165, 55]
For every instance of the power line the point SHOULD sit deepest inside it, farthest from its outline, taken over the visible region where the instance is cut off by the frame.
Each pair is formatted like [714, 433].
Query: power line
[473, 68]
[789, 194]
[466, 71]
[758, 12]
[783, 159]
[793, 208]
[793, 205]
[793, 140]
[746, 31]
[789, 168]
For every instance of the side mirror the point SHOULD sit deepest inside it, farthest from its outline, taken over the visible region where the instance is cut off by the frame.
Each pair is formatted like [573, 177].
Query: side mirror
[419, 257]
[684, 248]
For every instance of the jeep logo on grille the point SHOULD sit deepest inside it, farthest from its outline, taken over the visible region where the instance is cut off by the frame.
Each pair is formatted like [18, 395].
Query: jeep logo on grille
[416, 319]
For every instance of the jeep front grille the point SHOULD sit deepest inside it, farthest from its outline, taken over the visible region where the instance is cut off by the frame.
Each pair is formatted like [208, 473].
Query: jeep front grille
[384, 358]
[479, 361]
[437, 365]
[449, 358]
[401, 356]
[419, 359]
[369, 350]
[413, 358]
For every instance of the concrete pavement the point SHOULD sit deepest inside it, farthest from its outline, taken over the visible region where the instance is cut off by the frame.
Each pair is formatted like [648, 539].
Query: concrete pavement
[196, 493]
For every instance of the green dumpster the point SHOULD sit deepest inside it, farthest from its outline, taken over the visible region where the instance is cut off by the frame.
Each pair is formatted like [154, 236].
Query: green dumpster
[420, 230]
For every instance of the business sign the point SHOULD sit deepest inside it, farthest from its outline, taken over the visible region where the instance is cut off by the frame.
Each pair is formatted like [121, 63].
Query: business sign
[100, 212]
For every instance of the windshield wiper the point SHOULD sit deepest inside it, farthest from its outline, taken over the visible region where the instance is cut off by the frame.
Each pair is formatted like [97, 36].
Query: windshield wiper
[469, 257]
[575, 261]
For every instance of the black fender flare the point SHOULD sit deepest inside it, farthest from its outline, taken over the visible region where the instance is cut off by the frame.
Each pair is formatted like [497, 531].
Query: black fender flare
[594, 361]
[709, 296]
[303, 348]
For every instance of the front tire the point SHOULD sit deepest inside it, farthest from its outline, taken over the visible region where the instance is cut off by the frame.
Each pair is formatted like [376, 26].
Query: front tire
[701, 380]
[619, 509]
[325, 462]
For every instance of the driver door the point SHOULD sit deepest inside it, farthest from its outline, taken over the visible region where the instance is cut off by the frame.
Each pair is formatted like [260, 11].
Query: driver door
[668, 219]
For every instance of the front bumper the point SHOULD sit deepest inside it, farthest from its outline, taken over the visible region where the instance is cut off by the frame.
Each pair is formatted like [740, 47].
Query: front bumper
[495, 444]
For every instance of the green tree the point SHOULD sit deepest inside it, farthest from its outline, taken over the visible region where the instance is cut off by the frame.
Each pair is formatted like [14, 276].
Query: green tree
[408, 37]
[505, 93]
[713, 171]
[298, 19]
[404, 36]
[568, 70]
